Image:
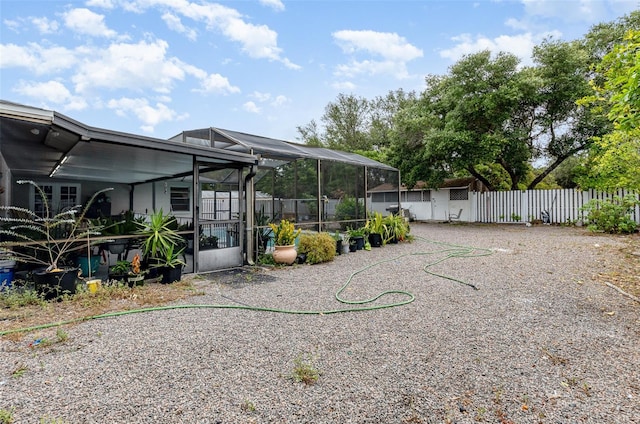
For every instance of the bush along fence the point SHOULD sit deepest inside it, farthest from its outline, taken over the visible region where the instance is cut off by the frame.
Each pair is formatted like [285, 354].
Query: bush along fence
[561, 206]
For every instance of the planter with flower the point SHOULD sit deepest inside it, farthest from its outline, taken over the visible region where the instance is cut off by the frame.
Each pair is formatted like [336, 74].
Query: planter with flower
[48, 243]
[285, 235]
[136, 275]
[129, 273]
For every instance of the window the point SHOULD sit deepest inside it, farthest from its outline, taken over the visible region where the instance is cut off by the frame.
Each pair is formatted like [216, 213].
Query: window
[416, 196]
[377, 197]
[458, 194]
[180, 199]
[59, 197]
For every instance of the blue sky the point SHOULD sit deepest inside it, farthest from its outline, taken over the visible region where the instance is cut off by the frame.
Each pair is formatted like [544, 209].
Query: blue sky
[158, 67]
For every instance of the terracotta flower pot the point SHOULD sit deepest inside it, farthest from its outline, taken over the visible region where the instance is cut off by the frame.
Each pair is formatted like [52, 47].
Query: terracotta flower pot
[285, 254]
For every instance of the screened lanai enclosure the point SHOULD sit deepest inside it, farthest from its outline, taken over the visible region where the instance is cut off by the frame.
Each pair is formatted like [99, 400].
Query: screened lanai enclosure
[317, 188]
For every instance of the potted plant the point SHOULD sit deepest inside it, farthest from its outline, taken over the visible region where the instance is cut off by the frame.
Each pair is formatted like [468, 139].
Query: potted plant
[120, 271]
[356, 238]
[377, 229]
[171, 264]
[160, 246]
[397, 228]
[158, 235]
[338, 238]
[136, 274]
[48, 241]
[285, 236]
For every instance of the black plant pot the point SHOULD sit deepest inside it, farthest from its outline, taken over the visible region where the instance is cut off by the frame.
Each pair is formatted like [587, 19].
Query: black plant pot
[375, 240]
[353, 246]
[52, 285]
[170, 275]
[338, 247]
[118, 277]
[359, 242]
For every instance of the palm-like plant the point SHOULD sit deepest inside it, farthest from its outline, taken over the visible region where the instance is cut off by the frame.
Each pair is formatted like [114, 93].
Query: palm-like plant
[160, 235]
[48, 239]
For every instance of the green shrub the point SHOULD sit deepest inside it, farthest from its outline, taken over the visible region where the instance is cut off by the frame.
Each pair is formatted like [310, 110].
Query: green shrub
[349, 209]
[611, 215]
[319, 247]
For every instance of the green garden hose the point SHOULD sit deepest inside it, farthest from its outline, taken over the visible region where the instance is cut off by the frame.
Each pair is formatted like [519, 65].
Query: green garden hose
[452, 251]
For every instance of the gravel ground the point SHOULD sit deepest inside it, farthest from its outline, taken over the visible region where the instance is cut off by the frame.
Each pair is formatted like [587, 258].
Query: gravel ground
[539, 342]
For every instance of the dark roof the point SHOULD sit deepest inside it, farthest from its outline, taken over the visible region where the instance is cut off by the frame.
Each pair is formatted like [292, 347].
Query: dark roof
[272, 148]
[472, 183]
[38, 143]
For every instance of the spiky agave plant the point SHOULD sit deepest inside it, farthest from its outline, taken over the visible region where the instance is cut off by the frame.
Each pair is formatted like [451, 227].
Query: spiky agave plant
[45, 240]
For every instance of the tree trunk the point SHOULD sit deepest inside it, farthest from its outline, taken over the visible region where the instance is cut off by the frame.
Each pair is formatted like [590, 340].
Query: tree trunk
[482, 179]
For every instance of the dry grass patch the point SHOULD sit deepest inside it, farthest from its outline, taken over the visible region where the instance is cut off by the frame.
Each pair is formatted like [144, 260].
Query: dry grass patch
[32, 311]
[626, 275]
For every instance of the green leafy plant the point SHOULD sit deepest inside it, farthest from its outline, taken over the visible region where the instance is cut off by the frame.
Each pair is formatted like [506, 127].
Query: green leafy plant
[6, 416]
[356, 232]
[376, 225]
[397, 228]
[349, 209]
[172, 257]
[319, 247]
[285, 233]
[304, 371]
[45, 240]
[160, 233]
[611, 215]
[19, 371]
[120, 268]
[515, 217]
[62, 335]
[161, 239]
[18, 297]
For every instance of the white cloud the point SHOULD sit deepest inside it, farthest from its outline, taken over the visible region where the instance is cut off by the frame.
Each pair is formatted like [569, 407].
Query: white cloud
[257, 41]
[520, 45]
[280, 101]
[174, 23]
[44, 25]
[394, 50]
[251, 107]
[385, 44]
[150, 115]
[84, 21]
[36, 58]
[138, 66]
[51, 92]
[216, 83]
[261, 97]
[344, 86]
[12, 25]
[276, 5]
[105, 4]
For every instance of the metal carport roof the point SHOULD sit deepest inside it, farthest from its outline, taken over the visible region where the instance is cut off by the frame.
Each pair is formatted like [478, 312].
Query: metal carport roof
[271, 148]
[37, 143]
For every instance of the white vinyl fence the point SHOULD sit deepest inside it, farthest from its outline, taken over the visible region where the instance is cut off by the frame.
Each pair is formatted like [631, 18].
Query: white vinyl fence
[562, 205]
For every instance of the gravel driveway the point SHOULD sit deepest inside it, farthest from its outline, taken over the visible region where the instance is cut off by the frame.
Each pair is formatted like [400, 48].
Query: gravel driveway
[539, 341]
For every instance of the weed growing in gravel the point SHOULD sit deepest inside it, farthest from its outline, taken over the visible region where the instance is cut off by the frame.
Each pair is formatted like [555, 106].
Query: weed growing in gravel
[6, 416]
[49, 420]
[304, 371]
[248, 406]
[19, 371]
[15, 298]
[62, 335]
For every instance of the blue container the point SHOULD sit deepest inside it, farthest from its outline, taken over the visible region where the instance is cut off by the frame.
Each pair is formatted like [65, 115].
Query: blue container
[83, 263]
[6, 274]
